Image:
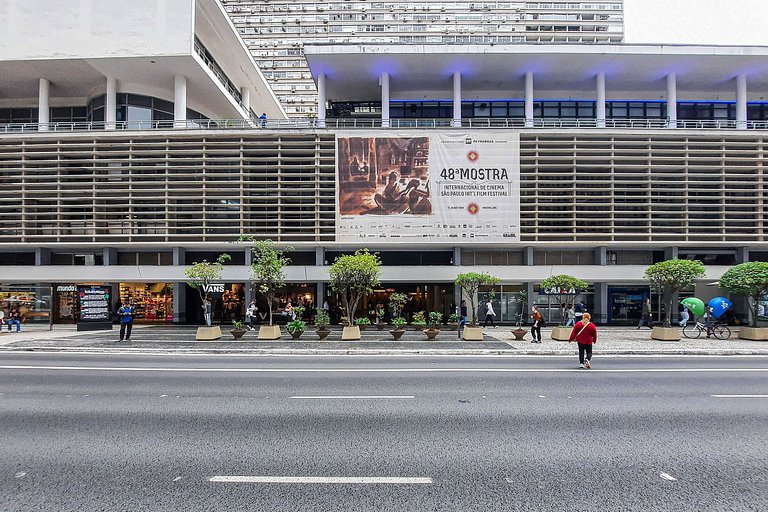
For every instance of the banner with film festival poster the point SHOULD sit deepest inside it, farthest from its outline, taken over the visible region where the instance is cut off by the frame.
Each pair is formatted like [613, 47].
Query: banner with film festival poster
[438, 187]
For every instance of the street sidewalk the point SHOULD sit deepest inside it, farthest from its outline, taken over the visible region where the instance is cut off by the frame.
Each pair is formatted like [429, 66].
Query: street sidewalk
[498, 341]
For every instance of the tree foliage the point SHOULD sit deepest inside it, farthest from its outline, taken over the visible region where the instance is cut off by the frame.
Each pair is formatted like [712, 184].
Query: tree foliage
[267, 268]
[470, 283]
[562, 287]
[353, 276]
[749, 280]
[202, 274]
[670, 277]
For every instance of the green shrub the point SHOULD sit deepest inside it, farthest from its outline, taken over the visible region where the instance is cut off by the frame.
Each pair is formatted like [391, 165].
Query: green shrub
[435, 318]
[399, 322]
[418, 319]
[322, 319]
[295, 326]
[363, 320]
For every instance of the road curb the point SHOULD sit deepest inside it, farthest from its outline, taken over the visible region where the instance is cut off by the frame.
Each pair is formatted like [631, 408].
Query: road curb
[380, 352]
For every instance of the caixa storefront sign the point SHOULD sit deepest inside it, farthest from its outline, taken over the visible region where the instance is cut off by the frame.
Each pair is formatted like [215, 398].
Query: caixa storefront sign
[213, 288]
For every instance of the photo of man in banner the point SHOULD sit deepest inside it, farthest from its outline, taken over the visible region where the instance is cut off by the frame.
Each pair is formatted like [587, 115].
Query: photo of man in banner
[384, 176]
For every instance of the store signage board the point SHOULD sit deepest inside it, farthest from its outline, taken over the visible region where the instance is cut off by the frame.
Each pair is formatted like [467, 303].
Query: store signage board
[94, 307]
[443, 187]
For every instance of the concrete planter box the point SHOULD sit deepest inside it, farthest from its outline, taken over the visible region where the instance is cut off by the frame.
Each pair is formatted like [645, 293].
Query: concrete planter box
[269, 332]
[208, 333]
[351, 333]
[666, 333]
[561, 333]
[753, 333]
[472, 334]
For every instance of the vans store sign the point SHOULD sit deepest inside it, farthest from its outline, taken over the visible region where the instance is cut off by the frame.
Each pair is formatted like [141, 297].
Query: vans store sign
[213, 288]
[446, 187]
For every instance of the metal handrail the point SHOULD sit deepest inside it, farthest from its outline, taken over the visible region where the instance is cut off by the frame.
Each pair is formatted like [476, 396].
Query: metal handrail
[353, 123]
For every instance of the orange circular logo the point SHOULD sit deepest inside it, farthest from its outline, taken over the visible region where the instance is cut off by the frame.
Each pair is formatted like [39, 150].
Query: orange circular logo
[473, 208]
[473, 156]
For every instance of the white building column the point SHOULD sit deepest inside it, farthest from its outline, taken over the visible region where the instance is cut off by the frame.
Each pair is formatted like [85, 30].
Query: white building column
[321, 101]
[457, 99]
[600, 100]
[672, 100]
[384, 82]
[180, 101]
[245, 96]
[110, 104]
[529, 99]
[43, 105]
[741, 102]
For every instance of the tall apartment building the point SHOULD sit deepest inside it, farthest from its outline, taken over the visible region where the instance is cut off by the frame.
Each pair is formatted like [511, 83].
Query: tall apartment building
[276, 31]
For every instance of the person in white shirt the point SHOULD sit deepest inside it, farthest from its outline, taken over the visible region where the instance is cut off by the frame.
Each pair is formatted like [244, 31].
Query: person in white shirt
[251, 314]
[490, 314]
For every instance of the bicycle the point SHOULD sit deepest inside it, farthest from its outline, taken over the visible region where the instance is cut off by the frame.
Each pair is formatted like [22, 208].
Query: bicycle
[694, 331]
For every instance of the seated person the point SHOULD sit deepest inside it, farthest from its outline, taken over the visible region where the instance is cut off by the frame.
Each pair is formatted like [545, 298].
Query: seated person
[391, 200]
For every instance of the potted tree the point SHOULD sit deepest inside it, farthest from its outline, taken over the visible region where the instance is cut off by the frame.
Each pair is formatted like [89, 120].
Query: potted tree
[398, 331]
[518, 332]
[353, 276]
[669, 278]
[433, 329]
[267, 271]
[470, 283]
[201, 276]
[419, 321]
[562, 287]
[396, 303]
[380, 323]
[237, 331]
[751, 281]
[322, 321]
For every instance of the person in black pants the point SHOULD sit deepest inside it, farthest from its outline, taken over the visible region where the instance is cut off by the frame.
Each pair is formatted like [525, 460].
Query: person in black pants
[538, 320]
[125, 313]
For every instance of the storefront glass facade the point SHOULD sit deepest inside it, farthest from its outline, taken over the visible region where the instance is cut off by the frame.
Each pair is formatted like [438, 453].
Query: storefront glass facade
[153, 301]
[31, 302]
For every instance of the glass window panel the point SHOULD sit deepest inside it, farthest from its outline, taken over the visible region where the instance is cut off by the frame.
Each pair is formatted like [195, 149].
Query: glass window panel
[139, 100]
[586, 112]
[499, 111]
[482, 110]
[568, 112]
[619, 112]
[637, 112]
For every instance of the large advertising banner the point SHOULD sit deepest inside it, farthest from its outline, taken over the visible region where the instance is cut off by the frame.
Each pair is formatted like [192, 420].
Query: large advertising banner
[445, 187]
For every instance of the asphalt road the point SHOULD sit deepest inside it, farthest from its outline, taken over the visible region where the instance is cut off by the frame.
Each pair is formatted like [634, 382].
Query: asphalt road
[112, 432]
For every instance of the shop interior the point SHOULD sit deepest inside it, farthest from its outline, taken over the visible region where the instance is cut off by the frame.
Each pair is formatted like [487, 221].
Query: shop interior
[153, 301]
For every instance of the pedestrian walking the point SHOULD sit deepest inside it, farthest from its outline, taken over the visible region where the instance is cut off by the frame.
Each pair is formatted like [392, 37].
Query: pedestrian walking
[538, 323]
[490, 314]
[645, 319]
[570, 317]
[250, 313]
[126, 314]
[463, 314]
[684, 317]
[579, 311]
[263, 119]
[585, 334]
[207, 311]
[14, 318]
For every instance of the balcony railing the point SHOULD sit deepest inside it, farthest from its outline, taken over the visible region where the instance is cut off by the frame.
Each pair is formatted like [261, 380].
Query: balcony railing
[312, 124]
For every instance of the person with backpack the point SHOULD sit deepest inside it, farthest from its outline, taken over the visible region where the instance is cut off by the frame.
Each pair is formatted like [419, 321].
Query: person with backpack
[585, 334]
[250, 314]
[538, 323]
[126, 314]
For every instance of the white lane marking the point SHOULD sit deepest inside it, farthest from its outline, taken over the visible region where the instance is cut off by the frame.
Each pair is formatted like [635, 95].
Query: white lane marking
[177, 479]
[378, 370]
[667, 476]
[739, 396]
[20, 474]
[353, 397]
[320, 480]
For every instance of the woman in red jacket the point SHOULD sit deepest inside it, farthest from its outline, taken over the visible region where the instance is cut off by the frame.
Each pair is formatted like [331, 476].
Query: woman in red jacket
[585, 334]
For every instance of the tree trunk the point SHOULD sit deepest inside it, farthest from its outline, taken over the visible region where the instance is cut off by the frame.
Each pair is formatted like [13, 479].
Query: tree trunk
[270, 297]
[668, 313]
[752, 302]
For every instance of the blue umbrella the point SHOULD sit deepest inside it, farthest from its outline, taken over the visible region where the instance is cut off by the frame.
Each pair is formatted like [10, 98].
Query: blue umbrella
[719, 306]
